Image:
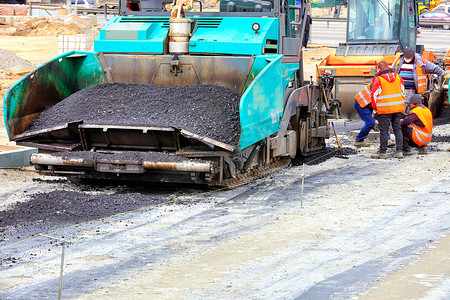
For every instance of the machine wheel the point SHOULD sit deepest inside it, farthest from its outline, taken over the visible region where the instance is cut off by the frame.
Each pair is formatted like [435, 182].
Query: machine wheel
[435, 103]
[446, 27]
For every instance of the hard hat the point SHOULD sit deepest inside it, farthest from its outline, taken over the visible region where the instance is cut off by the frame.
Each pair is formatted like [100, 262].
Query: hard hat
[409, 52]
[415, 99]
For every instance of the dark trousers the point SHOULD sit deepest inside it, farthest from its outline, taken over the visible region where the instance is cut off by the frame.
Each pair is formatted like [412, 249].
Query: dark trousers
[385, 120]
[366, 115]
[305, 39]
[407, 139]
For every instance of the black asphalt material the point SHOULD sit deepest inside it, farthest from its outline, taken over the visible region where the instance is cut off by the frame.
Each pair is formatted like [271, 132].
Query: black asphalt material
[320, 156]
[45, 210]
[207, 110]
[444, 117]
[440, 139]
[128, 155]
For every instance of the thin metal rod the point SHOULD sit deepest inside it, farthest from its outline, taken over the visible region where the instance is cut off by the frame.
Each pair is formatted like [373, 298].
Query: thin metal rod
[62, 261]
[303, 184]
[62, 269]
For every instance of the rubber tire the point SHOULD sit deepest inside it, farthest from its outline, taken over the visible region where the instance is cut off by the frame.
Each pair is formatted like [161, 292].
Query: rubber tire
[446, 27]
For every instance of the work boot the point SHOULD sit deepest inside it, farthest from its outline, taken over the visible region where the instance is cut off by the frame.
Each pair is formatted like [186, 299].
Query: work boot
[362, 144]
[379, 155]
[407, 153]
[398, 154]
[422, 150]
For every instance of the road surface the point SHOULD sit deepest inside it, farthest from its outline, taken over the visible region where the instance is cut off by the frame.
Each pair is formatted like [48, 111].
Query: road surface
[368, 229]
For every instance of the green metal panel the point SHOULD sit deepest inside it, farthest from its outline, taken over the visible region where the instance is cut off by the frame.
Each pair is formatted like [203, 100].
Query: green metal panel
[233, 36]
[142, 35]
[259, 63]
[47, 85]
[261, 105]
[127, 31]
[288, 73]
[229, 35]
[16, 158]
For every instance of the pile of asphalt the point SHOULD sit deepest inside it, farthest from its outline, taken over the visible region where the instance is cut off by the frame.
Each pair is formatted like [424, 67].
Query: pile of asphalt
[207, 110]
[45, 211]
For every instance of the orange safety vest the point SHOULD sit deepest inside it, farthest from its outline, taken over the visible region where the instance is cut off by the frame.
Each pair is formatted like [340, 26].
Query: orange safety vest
[421, 84]
[422, 136]
[363, 97]
[391, 99]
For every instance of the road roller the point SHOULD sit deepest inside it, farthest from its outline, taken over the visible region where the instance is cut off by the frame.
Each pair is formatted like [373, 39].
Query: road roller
[376, 30]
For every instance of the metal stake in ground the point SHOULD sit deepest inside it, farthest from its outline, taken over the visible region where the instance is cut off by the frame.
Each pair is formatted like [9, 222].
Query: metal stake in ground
[62, 262]
[303, 184]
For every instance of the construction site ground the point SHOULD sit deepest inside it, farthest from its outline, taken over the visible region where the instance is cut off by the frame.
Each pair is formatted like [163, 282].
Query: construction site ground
[364, 228]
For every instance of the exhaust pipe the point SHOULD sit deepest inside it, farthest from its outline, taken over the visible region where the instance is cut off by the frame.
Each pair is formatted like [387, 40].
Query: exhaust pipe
[48, 159]
[187, 166]
[178, 166]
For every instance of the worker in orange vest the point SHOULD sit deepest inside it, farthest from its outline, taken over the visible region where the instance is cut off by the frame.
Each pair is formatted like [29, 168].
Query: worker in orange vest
[417, 127]
[413, 69]
[363, 105]
[388, 101]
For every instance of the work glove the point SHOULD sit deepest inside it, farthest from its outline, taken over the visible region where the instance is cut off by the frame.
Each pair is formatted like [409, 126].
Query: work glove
[374, 113]
[447, 76]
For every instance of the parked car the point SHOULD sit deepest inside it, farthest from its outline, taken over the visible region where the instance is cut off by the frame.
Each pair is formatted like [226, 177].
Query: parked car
[83, 4]
[13, 2]
[111, 4]
[442, 7]
[436, 16]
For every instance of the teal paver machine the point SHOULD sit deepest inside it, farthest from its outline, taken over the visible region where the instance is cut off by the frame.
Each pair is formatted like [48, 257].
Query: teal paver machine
[253, 47]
